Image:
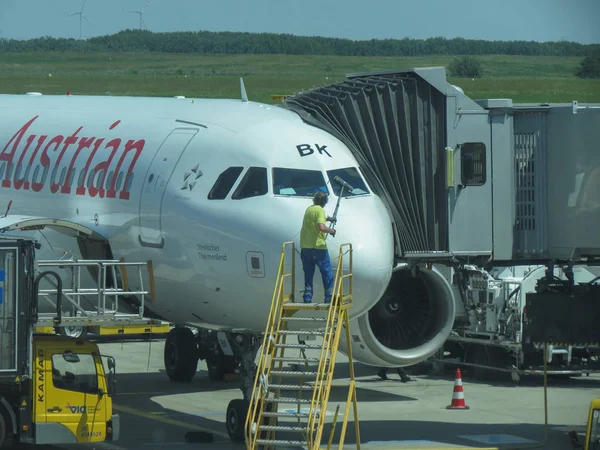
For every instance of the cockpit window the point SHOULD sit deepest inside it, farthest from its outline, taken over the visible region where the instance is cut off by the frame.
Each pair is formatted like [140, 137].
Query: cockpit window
[253, 184]
[298, 182]
[224, 183]
[351, 176]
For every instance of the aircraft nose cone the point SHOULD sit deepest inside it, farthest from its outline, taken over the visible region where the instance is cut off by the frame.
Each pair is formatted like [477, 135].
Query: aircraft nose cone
[364, 223]
[367, 227]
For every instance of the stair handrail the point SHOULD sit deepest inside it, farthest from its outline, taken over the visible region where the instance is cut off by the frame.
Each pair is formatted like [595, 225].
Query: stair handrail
[333, 350]
[258, 391]
[329, 347]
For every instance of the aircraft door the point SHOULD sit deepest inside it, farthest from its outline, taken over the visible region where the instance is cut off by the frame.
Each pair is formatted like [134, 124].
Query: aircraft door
[155, 184]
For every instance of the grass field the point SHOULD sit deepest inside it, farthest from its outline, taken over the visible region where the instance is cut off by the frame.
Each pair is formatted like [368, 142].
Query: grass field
[522, 78]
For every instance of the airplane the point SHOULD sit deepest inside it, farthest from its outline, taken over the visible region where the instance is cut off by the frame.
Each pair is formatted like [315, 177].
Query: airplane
[209, 189]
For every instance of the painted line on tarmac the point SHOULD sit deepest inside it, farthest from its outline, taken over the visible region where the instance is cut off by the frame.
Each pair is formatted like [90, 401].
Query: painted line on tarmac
[144, 393]
[422, 442]
[166, 420]
[166, 414]
[497, 439]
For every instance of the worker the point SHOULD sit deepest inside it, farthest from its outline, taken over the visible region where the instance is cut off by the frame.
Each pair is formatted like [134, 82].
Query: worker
[313, 249]
[403, 376]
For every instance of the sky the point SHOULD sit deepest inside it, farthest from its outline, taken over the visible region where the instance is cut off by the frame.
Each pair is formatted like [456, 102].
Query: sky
[530, 20]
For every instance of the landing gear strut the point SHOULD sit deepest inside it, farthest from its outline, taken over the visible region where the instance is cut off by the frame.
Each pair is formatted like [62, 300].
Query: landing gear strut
[218, 362]
[181, 354]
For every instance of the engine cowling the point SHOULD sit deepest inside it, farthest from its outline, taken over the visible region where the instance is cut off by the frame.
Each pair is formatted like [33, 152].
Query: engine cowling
[411, 321]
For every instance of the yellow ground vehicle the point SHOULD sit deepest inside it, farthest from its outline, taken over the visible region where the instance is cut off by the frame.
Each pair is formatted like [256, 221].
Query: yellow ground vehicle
[72, 401]
[592, 430]
[592, 434]
[53, 389]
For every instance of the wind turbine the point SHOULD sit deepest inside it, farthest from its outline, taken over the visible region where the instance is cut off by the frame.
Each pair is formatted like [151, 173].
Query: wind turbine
[81, 17]
[141, 14]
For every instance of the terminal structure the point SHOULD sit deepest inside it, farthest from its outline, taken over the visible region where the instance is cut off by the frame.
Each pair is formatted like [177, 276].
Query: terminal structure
[496, 196]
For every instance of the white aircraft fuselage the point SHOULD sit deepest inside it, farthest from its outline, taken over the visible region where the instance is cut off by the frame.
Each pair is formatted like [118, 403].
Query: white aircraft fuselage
[140, 171]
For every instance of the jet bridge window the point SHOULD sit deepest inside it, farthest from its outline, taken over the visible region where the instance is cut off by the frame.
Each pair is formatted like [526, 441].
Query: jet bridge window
[253, 184]
[75, 372]
[129, 182]
[298, 182]
[80, 180]
[351, 176]
[109, 179]
[473, 171]
[90, 178]
[224, 183]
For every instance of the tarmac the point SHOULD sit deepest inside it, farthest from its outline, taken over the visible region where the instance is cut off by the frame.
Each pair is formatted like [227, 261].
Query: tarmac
[502, 414]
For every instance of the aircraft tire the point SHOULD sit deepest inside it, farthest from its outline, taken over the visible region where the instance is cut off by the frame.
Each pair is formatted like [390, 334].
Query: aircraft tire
[237, 410]
[181, 355]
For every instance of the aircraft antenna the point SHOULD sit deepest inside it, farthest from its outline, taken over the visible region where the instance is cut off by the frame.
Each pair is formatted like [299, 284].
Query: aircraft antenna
[81, 17]
[243, 88]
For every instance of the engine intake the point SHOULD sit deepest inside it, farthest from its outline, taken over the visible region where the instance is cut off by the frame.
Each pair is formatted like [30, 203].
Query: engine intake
[411, 321]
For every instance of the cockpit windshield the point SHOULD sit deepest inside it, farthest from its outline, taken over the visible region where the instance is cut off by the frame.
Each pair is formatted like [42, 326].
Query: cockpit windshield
[298, 182]
[351, 176]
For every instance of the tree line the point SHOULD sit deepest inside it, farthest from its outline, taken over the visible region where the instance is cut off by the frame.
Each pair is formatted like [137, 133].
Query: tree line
[209, 42]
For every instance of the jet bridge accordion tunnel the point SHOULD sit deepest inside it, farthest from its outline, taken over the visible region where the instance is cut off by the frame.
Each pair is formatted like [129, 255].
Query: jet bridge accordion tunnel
[464, 181]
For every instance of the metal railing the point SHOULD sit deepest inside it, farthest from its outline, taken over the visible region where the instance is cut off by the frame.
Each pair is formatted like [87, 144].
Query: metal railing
[107, 298]
[336, 320]
[266, 360]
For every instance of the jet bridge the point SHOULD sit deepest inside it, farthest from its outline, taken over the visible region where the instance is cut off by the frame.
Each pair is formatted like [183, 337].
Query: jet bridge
[484, 180]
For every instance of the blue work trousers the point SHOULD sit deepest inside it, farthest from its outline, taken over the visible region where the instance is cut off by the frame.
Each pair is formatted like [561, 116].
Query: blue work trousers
[311, 257]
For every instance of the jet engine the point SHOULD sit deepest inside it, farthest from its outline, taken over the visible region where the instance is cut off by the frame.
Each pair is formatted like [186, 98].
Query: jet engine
[411, 321]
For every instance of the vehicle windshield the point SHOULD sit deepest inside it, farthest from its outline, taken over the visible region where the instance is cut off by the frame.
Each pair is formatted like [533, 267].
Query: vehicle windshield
[75, 372]
[351, 176]
[594, 441]
[298, 182]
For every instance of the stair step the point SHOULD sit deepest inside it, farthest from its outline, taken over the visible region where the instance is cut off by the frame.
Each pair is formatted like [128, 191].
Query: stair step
[292, 387]
[280, 442]
[315, 346]
[305, 306]
[284, 414]
[289, 373]
[287, 400]
[300, 360]
[304, 319]
[281, 428]
[293, 332]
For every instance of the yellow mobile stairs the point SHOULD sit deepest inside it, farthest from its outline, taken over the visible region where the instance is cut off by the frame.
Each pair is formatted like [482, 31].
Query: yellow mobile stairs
[269, 423]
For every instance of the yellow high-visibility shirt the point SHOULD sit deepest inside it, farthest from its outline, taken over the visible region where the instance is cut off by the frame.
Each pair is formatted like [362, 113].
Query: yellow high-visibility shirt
[310, 236]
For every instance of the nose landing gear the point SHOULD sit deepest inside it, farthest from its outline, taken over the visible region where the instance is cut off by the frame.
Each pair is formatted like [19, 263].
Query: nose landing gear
[237, 410]
[183, 349]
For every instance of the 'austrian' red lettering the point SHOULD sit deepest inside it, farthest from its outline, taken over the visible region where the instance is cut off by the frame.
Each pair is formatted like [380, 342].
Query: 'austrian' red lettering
[58, 148]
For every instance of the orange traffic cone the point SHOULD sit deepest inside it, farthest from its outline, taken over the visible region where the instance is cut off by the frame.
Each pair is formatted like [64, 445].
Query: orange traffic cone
[458, 396]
